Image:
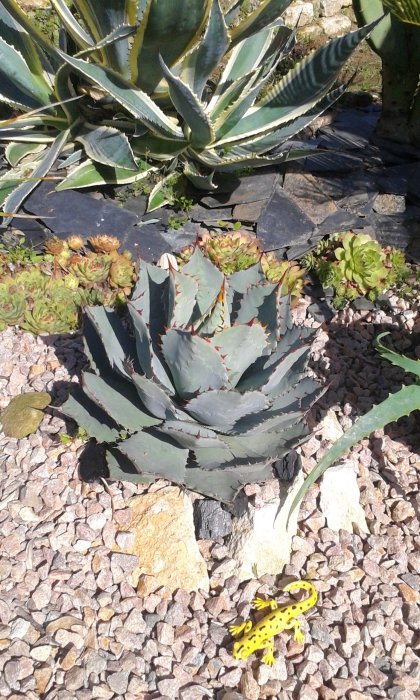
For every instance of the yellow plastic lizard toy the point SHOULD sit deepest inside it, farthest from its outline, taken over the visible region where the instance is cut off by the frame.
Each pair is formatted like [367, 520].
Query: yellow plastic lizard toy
[257, 636]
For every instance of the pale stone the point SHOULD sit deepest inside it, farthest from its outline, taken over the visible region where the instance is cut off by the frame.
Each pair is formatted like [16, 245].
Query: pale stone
[330, 428]
[340, 499]
[329, 8]
[335, 26]
[260, 537]
[299, 14]
[164, 542]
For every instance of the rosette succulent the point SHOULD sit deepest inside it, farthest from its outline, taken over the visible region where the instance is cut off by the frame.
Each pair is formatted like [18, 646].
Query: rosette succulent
[354, 265]
[12, 304]
[55, 312]
[173, 398]
[91, 269]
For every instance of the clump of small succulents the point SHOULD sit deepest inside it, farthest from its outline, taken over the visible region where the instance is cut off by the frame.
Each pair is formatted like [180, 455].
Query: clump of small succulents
[46, 296]
[238, 250]
[354, 265]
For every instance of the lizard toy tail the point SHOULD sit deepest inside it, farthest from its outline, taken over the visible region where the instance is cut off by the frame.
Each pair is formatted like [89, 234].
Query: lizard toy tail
[308, 602]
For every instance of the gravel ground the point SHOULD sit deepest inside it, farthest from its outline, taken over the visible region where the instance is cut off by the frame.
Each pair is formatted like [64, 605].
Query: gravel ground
[72, 627]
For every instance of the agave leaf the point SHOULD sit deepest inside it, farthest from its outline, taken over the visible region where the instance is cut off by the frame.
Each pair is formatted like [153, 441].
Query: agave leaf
[199, 180]
[299, 396]
[89, 174]
[102, 18]
[35, 34]
[191, 435]
[252, 341]
[19, 86]
[391, 409]
[260, 301]
[272, 444]
[149, 357]
[18, 196]
[208, 278]
[16, 151]
[122, 469]
[23, 414]
[268, 422]
[190, 108]
[119, 400]
[157, 456]
[225, 485]
[221, 409]
[76, 31]
[218, 317]
[181, 299]
[119, 347]
[89, 416]
[195, 366]
[169, 28]
[155, 399]
[161, 194]
[299, 90]
[402, 361]
[104, 144]
[242, 280]
[157, 148]
[404, 10]
[200, 63]
[147, 298]
[136, 102]
[11, 32]
[279, 380]
[266, 12]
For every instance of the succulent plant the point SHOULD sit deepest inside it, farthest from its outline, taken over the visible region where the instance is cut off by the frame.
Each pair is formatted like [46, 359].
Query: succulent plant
[23, 414]
[288, 272]
[12, 305]
[166, 85]
[91, 269]
[55, 312]
[121, 273]
[354, 265]
[75, 242]
[55, 246]
[104, 243]
[175, 399]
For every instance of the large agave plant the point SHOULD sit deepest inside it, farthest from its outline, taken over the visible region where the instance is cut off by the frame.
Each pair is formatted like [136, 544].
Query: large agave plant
[152, 84]
[208, 387]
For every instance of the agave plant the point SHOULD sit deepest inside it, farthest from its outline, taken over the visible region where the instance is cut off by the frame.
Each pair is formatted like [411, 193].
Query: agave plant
[152, 84]
[232, 252]
[174, 398]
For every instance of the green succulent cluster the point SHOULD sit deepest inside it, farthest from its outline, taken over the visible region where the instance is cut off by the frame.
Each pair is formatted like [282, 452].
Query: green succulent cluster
[239, 250]
[173, 398]
[44, 296]
[354, 265]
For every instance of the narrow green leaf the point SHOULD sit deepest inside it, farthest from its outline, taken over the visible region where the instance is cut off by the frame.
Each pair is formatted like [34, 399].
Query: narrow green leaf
[402, 361]
[16, 151]
[265, 13]
[76, 31]
[391, 409]
[19, 86]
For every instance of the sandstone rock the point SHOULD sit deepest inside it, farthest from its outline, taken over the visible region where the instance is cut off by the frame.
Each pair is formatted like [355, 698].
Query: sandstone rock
[163, 539]
[340, 499]
[329, 8]
[299, 14]
[335, 26]
[260, 537]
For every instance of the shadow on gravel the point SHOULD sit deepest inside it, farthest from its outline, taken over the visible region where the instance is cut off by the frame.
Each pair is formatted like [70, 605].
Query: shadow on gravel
[359, 378]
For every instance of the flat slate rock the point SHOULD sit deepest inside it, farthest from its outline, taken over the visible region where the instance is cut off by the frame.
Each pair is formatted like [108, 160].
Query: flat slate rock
[251, 188]
[150, 241]
[34, 231]
[74, 212]
[306, 191]
[203, 214]
[282, 223]
[351, 130]
[340, 221]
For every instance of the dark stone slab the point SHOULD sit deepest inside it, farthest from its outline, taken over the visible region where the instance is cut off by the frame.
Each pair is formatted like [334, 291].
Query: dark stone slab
[332, 162]
[211, 520]
[250, 211]
[305, 190]
[282, 223]
[200, 213]
[321, 311]
[360, 203]
[288, 467]
[150, 241]
[340, 221]
[74, 212]
[351, 130]
[363, 304]
[251, 188]
[34, 231]
[399, 230]
[137, 205]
